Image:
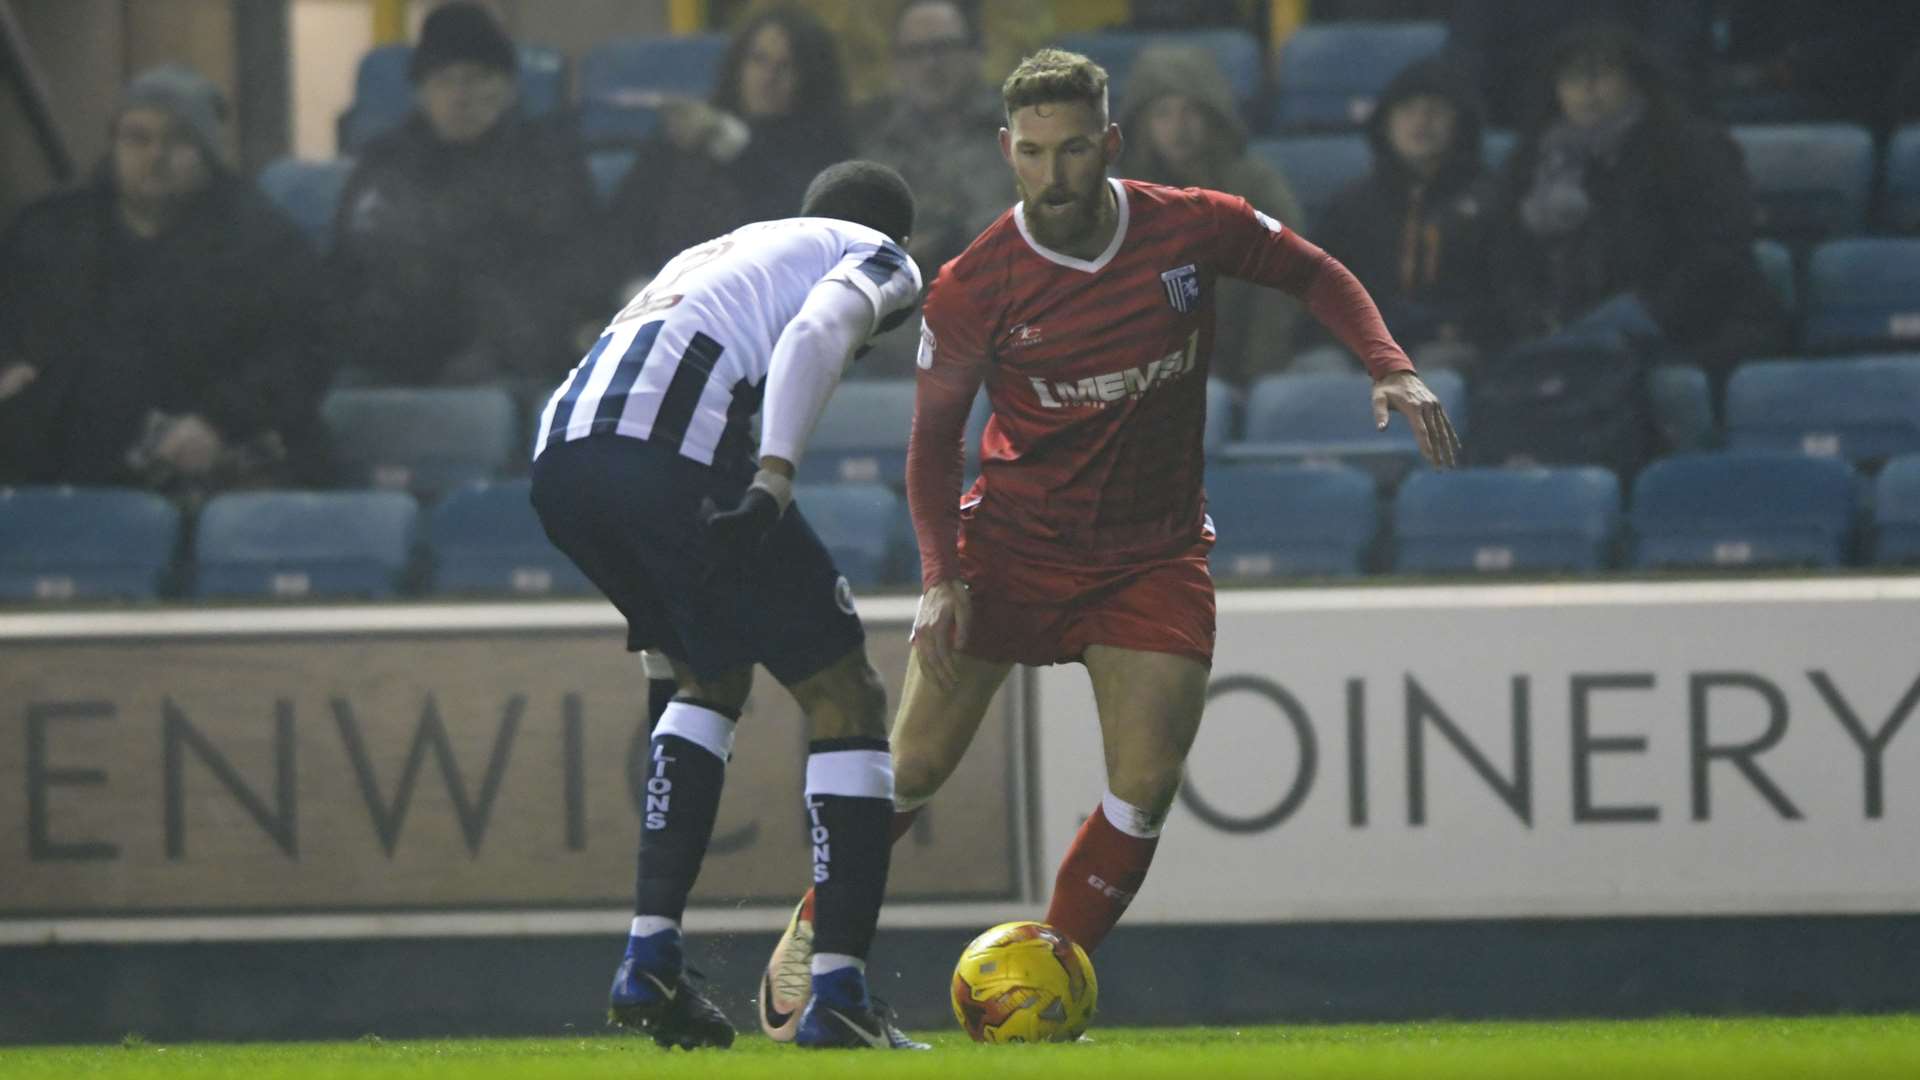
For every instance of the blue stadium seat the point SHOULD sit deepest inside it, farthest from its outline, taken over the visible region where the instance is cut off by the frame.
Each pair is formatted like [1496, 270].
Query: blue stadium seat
[1857, 409]
[606, 124]
[860, 525]
[486, 539]
[1902, 212]
[1323, 418]
[1496, 146]
[1316, 167]
[1896, 512]
[1682, 406]
[1743, 508]
[1863, 294]
[422, 440]
[290, 543]
[1219, 414]
[72, 544]
[1291, 521]
[862, 434]
[686, 66]
[1777, 263]
[1330, 74]
[383, 95]
[1810, 181]
[609, 167]
[1236, 51]
[1494, 520]
[308, 192]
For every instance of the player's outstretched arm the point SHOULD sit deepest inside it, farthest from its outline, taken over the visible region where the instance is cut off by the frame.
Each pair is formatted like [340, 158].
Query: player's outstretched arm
[1405, 393]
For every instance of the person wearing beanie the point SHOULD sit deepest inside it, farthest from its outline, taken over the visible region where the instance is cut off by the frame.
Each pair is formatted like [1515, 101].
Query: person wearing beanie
[1184, 129]
[460, 232]
[1412, 230]
[160, 323]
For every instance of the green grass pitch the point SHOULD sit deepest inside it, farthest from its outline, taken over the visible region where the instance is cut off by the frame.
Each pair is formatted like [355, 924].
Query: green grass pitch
[1754, 1049]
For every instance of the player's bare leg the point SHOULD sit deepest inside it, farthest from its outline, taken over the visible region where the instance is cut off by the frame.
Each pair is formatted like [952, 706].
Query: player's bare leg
[690, 742]
[931, 733]
[1150, 706]
[818, 996]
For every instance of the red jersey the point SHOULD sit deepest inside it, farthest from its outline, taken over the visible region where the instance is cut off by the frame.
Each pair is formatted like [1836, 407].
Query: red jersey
[1096, 371]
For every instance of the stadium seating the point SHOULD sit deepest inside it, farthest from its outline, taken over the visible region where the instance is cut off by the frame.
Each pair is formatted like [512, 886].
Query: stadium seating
[1291, 521]
[620, 80]
[1327, 418]
[1902, 205]
[1743, 508]
[614, 125]
[1682, 406]
[423, 440]
[1316, 167]
[1496, 520]
[609, 167]
[308, 192]
[862, 434]
[1496, 146]
[1896, 512]
[1236, 51]
[286, 543]
[1219, 415]
[383, 95]
[1777, 263]
[860, 524]
[485, 538]
[70, 544]
[1857, 409]
[1863, 294]
[1810, 181]
[1330, 74]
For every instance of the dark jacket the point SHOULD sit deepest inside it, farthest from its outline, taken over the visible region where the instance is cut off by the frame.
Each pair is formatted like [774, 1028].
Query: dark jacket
[219, 316]
[1255, 325]
[1419, 246]
[475, 249]
[673, 199]
[1671, 223]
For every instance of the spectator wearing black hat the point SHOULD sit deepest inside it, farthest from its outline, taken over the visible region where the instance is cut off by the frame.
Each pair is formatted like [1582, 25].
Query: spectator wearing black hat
[158, 326]
[460, 232]
[1412, 230]
[778, 115]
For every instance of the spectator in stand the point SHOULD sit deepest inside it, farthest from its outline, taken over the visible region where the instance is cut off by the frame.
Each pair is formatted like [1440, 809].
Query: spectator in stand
[159, 327]
[777, 117]
[460, 231]
[1500, 39]
[1412, 230]
[937, 131]
[1182, 129]
[1621, 213]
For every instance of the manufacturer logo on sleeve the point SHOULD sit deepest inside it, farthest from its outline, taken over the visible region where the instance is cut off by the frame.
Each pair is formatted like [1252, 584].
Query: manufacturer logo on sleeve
[928, 345]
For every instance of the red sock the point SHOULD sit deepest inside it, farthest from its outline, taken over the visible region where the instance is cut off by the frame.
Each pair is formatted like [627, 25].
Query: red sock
[1097, 880]
[902, 823]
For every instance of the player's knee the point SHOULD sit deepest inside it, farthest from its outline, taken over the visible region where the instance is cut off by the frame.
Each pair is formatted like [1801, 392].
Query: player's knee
[728, 691]
[846, 701]
[917, 774]
[866, 702]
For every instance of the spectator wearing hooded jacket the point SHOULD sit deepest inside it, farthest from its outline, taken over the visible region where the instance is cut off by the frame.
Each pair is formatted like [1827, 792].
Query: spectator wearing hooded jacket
[159, 323]
[460, 232]
[1183, 129]
[1619, 212]
[1412, 230]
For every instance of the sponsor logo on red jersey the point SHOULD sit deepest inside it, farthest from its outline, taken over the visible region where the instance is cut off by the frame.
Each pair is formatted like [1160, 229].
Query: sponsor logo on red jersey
[1104, 389]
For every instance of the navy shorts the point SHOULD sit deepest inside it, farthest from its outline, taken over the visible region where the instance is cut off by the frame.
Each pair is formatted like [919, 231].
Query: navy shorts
[625, 511]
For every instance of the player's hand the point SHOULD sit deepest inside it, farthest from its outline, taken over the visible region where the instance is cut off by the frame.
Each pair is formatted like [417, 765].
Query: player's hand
[734, 536]
[1403, 391]
[940, 629]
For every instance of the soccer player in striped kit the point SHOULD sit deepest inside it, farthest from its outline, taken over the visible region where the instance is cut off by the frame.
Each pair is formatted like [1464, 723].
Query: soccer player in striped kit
[645, 475]
[1087, 312]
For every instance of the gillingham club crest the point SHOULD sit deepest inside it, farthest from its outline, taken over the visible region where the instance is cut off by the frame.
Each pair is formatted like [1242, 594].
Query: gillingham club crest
[1183, 287]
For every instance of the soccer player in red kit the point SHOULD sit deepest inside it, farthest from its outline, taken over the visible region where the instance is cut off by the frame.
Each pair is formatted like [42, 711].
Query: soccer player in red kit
[1087, 311]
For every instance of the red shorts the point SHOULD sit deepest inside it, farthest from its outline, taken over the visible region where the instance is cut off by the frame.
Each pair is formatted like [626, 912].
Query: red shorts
[1033, 611]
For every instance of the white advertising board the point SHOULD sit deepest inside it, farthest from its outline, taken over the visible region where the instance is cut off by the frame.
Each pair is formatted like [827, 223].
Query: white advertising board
[1522, 751]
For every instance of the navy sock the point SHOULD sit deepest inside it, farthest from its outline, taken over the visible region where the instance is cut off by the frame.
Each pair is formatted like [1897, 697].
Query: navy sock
[681, 797]
[849, 812]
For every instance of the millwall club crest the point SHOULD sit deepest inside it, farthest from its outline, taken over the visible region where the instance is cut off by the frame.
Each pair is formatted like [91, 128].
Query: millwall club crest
[1183, 288]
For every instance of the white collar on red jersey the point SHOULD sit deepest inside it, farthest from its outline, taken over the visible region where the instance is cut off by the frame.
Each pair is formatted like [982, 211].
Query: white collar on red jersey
[1068, 261]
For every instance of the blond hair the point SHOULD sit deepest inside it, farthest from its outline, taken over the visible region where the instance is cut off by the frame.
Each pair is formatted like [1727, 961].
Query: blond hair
[1053, 76]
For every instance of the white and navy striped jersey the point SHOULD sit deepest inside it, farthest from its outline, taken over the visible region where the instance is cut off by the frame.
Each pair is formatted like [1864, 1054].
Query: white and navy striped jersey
[685, 363]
